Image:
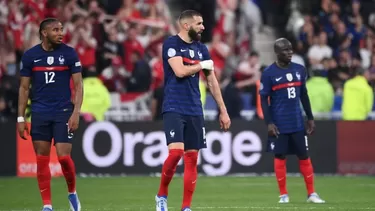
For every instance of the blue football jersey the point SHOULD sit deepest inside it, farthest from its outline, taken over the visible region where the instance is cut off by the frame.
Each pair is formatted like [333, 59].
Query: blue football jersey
[50, 73]
[182, 95]
[284, 87]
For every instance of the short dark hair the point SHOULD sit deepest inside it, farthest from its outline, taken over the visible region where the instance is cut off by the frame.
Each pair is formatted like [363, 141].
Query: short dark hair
[189, 14]
[44, 23]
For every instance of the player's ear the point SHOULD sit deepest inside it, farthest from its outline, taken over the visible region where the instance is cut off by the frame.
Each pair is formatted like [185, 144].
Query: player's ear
[44, 33]
[186, 26]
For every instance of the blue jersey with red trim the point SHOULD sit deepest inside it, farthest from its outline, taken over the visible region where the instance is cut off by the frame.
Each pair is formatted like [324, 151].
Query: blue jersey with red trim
[50, 73]
[182, 95]
[284, 86]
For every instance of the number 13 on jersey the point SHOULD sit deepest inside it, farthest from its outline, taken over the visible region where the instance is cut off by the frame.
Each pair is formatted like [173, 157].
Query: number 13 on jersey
[50, 77]
[291, 92]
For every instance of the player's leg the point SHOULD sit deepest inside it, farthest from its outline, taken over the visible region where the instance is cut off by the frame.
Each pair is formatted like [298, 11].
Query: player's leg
[279, 146]
[195, 139]
[301, 146]
[174, 129]
[63, 143]
[41, 133]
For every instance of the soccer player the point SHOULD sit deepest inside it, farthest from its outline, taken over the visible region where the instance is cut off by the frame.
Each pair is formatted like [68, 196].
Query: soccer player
[283, 87]
[183, 57]
[48, 68]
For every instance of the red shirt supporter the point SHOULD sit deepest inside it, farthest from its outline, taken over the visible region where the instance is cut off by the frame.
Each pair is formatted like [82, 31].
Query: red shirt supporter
[15, 21]
[157, 73]
[131, 45]
[86, 55]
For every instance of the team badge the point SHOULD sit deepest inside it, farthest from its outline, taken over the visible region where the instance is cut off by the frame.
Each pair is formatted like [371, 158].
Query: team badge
[298, 76]
[61, 59]
[191, 53]
[289, 76]
[50, 60]
[200, 55]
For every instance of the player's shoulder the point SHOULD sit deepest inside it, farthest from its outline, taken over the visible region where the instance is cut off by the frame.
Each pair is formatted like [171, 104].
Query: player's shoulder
[200, 44]
[297, 67]
[171, 40]
[269, 69]
[66, 48]
[36, 49]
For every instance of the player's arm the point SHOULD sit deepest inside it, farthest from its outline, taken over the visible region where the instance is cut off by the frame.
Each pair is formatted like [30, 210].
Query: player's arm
[23, 95]
[76, 71]
[265, 92]
[75, 68]
[172, 51]
[181, 70]
[212, 83]
[305, 100]
[78, 88]
[214, 87]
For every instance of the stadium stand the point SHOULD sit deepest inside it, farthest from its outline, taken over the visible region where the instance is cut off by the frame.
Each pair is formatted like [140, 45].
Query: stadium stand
[120, 42]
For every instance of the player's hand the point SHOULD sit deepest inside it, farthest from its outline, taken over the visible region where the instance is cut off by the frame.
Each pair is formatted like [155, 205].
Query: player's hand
[310, 127]
[207, 64]
[224, 121]
[22, 127]
[73, 122]
[273, 131]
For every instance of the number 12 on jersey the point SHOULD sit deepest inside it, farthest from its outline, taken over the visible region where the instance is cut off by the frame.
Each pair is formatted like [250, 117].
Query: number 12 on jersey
[50, 77]
[291, 92]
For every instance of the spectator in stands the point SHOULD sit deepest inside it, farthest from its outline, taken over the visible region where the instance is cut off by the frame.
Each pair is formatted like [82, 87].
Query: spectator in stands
[110, 49]
[96, 98]
[156, 65]
[320, 92]
[84, 43]
[307, 32]
[370, 74]
[157, 103]
[340, 35]
[358, 31]
[358, 98]
[141, 75]
[339, 74]
[3, 109]
[114, 76]
[319, 50]
[298, 54]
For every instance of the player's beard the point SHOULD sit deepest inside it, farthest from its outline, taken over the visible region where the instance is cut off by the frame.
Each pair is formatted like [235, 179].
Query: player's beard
[194, 35]
[54, 42]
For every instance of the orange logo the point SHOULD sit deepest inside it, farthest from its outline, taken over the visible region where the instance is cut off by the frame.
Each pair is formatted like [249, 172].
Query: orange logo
[26, 159]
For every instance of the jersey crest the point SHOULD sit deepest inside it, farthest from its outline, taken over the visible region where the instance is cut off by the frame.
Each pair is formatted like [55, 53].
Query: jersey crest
[50, 60]
[289, 76]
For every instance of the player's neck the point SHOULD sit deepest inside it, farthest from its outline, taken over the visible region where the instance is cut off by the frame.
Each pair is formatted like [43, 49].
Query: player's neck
[185, 37]
[282, 65]
[48, 46]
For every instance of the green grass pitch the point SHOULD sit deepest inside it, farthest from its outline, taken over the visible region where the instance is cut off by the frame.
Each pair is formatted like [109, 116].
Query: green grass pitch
[212, 193]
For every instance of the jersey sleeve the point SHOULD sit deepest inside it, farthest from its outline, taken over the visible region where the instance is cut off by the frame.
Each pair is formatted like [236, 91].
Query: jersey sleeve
[74, 63]
[26, 66]
[304, 75]
[265, 84]
[205, 52]
[171, 49]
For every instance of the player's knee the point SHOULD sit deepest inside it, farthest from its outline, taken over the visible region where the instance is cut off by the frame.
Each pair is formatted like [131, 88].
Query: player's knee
[303, 157]
[63, 149]
[176, 145]
[42, 147]
[280, 156]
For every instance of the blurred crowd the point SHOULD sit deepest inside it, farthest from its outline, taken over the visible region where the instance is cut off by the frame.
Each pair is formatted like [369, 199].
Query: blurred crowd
[337, 40]
[337, 43]
[119, 45]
